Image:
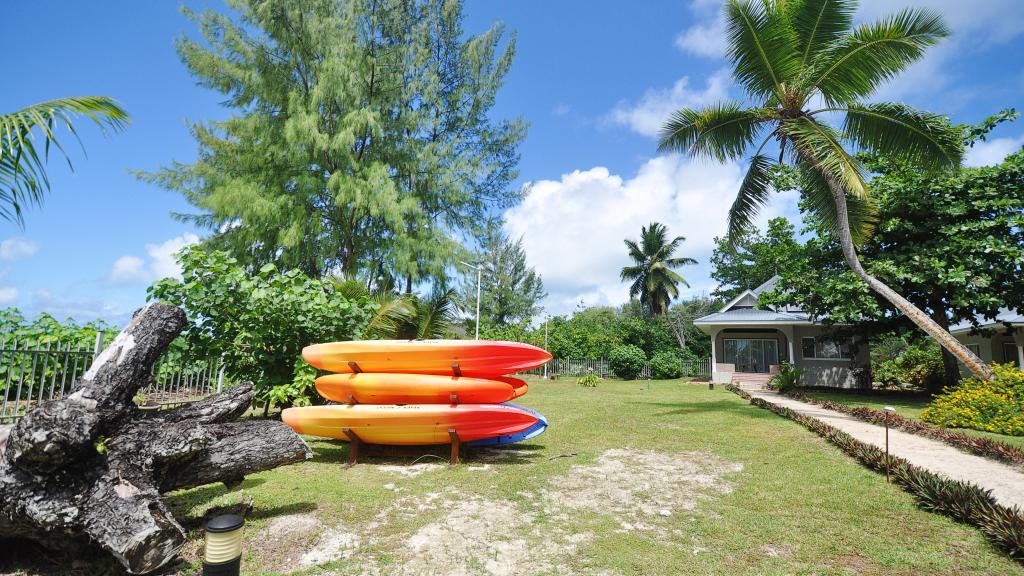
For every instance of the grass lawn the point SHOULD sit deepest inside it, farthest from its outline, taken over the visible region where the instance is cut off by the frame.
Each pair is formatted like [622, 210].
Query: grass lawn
[909, 405]
[672, 480]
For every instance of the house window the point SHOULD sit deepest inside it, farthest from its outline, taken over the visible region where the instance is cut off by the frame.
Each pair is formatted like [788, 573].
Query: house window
[825, 348]
[1010, 354]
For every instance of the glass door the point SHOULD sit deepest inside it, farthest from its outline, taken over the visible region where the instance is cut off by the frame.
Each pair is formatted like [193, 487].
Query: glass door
[751, 355]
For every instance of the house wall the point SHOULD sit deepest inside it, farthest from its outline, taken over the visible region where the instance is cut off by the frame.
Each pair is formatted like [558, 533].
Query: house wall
[991, 347]
[838, 373]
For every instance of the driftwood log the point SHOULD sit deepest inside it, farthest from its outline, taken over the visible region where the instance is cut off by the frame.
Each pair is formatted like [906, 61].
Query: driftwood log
[88, 470]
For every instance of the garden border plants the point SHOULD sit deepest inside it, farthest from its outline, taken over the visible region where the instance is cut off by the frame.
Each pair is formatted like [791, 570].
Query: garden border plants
[961, 501]
[985, 447]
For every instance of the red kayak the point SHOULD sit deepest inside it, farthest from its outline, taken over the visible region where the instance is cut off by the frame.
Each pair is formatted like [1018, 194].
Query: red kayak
[473, 358]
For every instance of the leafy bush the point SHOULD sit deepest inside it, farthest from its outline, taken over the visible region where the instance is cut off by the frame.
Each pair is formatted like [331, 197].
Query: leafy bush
[786, 379]
[627, 361]
[918, 364]
[589, 381]
[260, 322]
[993, 406]
[667, 365]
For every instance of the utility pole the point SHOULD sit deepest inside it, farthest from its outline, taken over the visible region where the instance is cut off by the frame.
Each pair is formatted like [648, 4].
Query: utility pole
[547, 317]
[478, 267]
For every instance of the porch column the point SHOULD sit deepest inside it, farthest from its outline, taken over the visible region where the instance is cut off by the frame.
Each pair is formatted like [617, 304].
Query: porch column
[1018, 338]
[714, 358]
[787, 331]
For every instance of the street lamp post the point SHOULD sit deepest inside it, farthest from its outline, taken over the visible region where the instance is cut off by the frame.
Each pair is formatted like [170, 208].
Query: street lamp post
[547, 317]
[477, 266]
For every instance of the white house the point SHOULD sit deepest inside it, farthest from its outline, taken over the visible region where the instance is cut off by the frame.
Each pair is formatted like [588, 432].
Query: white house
[749, 341]
[999, 339]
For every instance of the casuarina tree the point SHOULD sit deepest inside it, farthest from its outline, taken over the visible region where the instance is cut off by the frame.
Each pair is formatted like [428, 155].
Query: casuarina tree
[803, 64]
[360, 139]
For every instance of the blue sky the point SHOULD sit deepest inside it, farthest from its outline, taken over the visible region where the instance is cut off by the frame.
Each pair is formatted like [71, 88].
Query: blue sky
[593, 79]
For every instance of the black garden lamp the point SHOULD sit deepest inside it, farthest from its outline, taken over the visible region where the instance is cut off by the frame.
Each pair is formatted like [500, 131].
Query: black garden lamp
[888, 410]
[222, 554]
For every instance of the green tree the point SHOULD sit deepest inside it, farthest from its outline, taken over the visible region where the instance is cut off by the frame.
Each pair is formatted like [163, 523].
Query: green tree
[753, 258]
[786, 55]
[361, 139]
[510, 290]
[259, 322]
[654, 282]
[26, 137]
[952, 244]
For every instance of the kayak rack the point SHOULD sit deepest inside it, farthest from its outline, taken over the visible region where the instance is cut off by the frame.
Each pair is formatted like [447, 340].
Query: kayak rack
[355, 443]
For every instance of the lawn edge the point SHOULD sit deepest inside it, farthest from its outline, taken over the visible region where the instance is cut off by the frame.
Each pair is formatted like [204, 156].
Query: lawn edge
[961, 501]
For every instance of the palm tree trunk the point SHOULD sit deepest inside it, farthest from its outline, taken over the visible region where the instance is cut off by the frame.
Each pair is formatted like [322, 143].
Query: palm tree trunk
[944, 338]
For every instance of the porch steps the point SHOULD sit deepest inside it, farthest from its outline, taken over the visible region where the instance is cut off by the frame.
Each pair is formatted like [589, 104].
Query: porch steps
[751, 381]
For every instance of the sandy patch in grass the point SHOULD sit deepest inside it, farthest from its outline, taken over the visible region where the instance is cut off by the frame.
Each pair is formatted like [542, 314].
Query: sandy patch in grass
[333, 544]
[478, 536]
[639, 487]
[540, 533]
[301, 540]
[410, 471]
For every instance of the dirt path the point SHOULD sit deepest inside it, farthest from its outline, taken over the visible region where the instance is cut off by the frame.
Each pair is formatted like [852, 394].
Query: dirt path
[1006, 483]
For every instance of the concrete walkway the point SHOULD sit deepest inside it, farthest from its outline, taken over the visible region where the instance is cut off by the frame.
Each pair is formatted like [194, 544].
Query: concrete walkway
[1005, 482]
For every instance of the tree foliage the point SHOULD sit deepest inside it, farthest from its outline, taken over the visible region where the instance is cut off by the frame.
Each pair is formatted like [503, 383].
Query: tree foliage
[655, 283]
[753, 258]
[360, 140]
[26, 137]
[510, 290]
[259, 322]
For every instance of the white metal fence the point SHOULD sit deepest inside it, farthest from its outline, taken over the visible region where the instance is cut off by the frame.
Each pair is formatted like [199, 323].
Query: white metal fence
[29, 375]
[580, 367]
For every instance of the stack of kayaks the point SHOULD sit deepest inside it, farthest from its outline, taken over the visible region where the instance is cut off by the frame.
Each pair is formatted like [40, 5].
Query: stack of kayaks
[410, 392]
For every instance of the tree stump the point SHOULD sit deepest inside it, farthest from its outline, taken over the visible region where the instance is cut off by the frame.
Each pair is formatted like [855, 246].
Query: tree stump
[89, 469]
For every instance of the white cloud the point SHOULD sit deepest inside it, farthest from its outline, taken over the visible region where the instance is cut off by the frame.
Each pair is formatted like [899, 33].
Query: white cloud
[573, 228]
[707, 36]
[992, 151]
[561, 110]
[648, 116]
[8, 294]
[160, 262]
[14, 248]
[129, 268]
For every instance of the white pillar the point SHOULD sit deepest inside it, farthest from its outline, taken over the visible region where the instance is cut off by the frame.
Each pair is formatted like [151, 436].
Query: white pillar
[787, 331]
[714, 358]
[1018, 338]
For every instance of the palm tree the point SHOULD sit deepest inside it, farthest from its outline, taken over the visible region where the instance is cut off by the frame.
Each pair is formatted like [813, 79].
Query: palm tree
[404, 316]
[655, 282]
[790, 55]
[23, 180]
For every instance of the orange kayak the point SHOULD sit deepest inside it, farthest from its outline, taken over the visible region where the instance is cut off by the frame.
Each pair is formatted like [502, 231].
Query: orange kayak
[475, 358]
[414, 424]
[379, 388]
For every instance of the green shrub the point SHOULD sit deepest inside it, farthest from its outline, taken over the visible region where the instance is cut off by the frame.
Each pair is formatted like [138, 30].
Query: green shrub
[787, 378]
[627, 361]
[918, 364]
[259, 321]
[993, 406]
[667, 365]
[589, 381]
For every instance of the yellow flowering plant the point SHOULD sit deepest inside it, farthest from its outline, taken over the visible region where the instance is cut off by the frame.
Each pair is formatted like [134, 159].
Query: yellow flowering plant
[993, 406]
